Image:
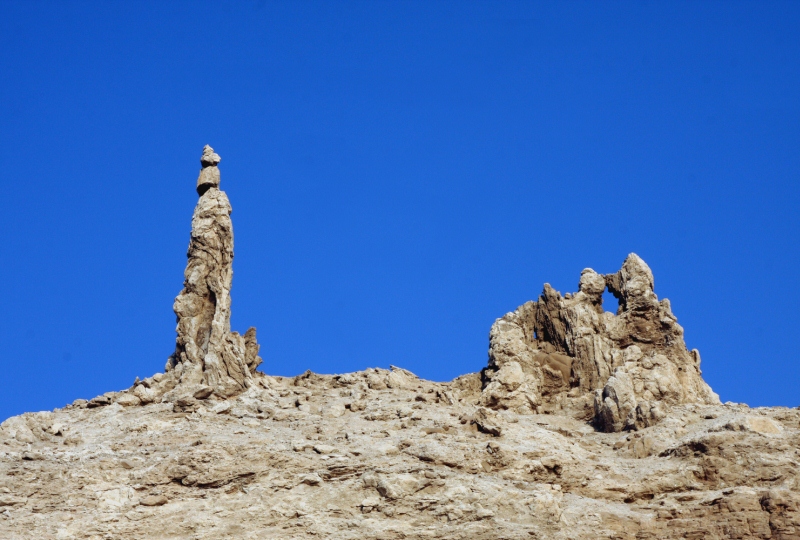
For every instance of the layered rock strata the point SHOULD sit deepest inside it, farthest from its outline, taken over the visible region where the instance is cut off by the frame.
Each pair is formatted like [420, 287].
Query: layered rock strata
[623, 370]
[382, 454]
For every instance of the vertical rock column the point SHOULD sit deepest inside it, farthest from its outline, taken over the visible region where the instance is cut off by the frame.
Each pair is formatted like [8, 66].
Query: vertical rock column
[207, 353]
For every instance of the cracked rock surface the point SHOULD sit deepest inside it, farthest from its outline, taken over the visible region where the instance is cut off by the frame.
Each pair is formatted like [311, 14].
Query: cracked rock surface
[584, 425]
[565, 353]
[372, 455]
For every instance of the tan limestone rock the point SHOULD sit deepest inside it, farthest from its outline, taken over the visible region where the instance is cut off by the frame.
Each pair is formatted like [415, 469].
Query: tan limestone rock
[218, 450]
[632, 365]
[208, 353]
[154, 500]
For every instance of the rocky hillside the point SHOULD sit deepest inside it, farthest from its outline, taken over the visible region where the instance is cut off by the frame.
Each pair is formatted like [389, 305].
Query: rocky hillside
[584, 424]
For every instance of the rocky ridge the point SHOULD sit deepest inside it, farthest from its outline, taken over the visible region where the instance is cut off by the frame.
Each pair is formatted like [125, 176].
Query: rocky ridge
[584, 424]
[622, 370]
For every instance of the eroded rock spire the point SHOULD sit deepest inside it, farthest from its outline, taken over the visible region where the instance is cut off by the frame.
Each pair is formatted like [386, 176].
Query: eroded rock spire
[208, 356]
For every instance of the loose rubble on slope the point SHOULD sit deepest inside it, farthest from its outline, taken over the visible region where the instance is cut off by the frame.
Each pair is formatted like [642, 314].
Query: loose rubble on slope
[585, 424]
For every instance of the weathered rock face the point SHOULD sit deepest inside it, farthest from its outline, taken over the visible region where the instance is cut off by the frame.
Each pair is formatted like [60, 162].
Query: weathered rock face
[209, 359]
[622, 369]
[214, 449]
[384, 454]
[207, 353]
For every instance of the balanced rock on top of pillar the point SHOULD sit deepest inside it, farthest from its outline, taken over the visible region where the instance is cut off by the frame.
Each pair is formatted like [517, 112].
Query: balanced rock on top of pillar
[209, 359]
[207, 353]
[567, 353]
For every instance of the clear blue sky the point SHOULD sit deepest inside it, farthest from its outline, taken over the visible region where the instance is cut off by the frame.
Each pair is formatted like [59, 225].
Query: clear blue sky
[401, 173]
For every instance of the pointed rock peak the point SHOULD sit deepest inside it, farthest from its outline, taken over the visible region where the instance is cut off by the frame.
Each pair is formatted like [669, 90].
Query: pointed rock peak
[210, 361]
[209, 357]
[209, 157]
[635, 267]
[568, 353]
[209, 174]
[207, 353]
[633, 282]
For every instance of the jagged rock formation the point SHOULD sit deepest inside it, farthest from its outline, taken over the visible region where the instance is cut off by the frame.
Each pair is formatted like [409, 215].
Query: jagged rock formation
[584, 425]
[622, 369]
[207, 353]
[208, 358]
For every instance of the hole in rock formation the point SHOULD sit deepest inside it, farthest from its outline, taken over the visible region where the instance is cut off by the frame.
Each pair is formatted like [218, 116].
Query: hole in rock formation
[610, 302]
[620, 368]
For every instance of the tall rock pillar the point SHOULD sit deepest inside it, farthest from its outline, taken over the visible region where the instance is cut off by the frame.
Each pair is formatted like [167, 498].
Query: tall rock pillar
[207, 353]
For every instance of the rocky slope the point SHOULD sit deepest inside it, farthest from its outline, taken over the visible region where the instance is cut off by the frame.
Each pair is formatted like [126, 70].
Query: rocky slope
[382, 454]
[584, 424]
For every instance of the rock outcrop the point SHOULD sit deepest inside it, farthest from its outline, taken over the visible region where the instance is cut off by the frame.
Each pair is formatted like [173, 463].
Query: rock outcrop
[624, 370]
[207, 353]
[584, 425]
[384, 454]
[209, 359]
